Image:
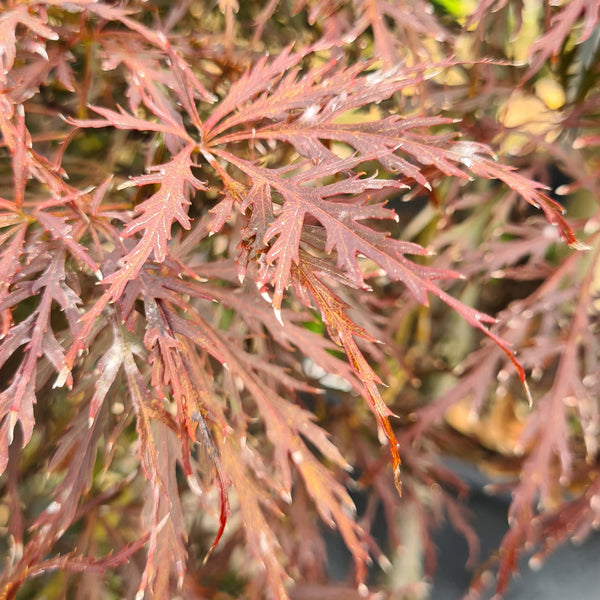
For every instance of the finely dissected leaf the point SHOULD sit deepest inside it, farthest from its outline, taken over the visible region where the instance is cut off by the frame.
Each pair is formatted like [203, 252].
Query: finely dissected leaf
[123, 120]
[63, 232]
[550, 461]
[191, 398]
[382, 140]
[248, 87]
[284, 423]
[334, 506]
[192, 319]
[254, 240]
[350, 238]
[9, 265]
[530, 191]
[187, 83]
[275, 91]
[305, 123]
[157, 213]
[283, 432]
[166, 519]
[562, 23]
[9, 21]
[37, 334]
[76, 563]
[396, 27]
[344, 234]
[81, 439]
[154, 221]
[261, 540]
[156, 466]
[342, 330]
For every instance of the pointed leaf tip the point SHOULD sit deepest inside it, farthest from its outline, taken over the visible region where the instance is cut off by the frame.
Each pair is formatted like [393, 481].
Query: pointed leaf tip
[277, 312]
[12, 421]
[398, 480]
[62, 377]
[527, 393]
[580, 246]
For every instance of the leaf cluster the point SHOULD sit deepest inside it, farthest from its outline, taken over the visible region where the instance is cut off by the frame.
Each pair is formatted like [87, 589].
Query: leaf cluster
[217, 246]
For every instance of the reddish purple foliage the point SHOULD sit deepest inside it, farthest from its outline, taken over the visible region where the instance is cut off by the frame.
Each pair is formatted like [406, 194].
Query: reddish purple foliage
[198, 238]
